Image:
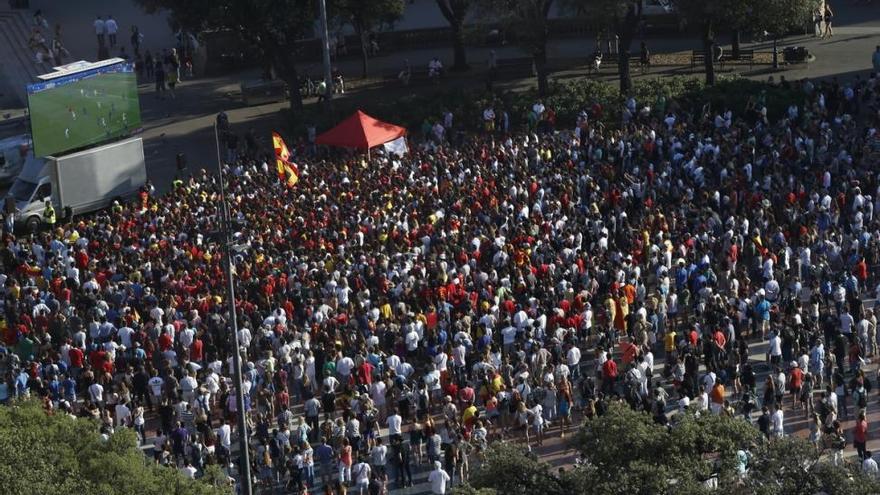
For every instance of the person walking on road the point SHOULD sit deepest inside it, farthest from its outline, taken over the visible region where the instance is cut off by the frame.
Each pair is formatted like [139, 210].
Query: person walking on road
[829, 17]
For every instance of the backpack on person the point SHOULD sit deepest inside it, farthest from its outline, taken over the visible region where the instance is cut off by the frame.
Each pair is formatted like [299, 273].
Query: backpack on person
[863, 398]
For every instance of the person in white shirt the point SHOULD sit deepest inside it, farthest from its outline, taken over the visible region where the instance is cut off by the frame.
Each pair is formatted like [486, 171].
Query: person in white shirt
[394, 423]
[96, 394]
[155, 383]
[100, 28]
[111, 28]
[438, 479]
[776, 423]
[188, 470]
[412, 340]
[573, 356]
[361, 473]
[123, 413]
[775, 350]
[224, 437]
[869, 466]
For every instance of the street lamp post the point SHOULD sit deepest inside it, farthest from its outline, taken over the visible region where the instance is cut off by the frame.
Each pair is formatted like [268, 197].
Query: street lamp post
[325, 49]
[226, 241]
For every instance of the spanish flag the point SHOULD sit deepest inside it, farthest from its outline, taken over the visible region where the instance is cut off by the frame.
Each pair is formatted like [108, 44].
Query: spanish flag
[287, 170]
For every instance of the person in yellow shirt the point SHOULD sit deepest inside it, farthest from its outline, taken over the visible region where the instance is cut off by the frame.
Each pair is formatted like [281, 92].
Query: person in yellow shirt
[622, 312]
[467, 416]
[385, 310]
[611, 309]
[669, 344]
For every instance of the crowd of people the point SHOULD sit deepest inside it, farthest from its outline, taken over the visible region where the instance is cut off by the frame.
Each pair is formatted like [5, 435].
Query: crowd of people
[400, 311]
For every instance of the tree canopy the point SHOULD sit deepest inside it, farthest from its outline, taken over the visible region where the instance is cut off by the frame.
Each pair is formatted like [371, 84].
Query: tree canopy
[528, 20]
[365, 17]
[271, 26]
[58, 454]
[625, 451]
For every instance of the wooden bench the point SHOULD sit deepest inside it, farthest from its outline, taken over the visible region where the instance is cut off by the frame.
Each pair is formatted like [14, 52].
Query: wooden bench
[744, 56]
[697, 56]
[613, 59]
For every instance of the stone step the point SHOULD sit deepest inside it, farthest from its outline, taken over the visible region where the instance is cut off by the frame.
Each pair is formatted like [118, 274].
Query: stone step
[19, 65]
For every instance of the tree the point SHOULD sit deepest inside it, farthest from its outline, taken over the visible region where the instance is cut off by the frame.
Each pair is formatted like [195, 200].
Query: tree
[366, 16]
[57, 454]
[509, 470]
[455, 12]
[773, 16]
[710, 15]
[271, 26]
[527, 21]
[791, 465]
[625, 451]
[778, 17]
[624, 17]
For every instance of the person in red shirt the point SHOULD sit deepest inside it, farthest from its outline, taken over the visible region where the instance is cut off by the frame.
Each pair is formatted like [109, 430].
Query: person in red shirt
[795, 382]
[76, 359]
[860, 435]
[196, 350]
[860, 270]
[164, 342]
[609, 375]
[365, 373]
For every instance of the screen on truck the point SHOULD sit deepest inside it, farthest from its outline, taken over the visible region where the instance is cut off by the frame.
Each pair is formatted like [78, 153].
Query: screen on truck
[84, 108]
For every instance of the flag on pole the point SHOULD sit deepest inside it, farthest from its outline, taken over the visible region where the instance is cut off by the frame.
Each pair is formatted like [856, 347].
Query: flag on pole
[287, 170]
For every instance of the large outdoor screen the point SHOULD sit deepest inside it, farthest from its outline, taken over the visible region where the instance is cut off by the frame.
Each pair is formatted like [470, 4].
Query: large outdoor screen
[85, 108]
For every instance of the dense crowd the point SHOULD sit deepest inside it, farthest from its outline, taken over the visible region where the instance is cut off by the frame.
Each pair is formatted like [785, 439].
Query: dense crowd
[396, 311]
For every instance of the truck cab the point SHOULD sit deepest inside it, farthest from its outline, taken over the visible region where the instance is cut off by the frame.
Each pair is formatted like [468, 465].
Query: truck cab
[31, 190]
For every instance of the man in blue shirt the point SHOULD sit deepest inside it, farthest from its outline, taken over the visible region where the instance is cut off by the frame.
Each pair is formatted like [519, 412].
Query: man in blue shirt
[325, 455]
[762, 309]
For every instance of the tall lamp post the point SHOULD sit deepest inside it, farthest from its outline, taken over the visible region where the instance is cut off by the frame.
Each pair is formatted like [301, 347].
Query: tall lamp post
[325, 49]
[226, 241]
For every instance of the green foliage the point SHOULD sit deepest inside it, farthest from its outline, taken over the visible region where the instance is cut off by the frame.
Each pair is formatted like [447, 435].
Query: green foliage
[628, 449]
[625, 452]
[791, 465]
[525, 22]
[272, 27]
[566, 98]
[509, 470]
[61, 455]
[781, 16]
[366, 17]
[191, 15]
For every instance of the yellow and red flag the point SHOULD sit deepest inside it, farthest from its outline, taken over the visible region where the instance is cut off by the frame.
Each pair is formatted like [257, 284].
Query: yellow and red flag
[287, 170]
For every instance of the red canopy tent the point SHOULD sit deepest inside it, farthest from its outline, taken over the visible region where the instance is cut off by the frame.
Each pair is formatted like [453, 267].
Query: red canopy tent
[362, 132]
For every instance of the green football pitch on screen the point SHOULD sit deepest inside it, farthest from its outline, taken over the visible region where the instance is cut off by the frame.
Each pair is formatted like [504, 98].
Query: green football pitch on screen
[75, 112]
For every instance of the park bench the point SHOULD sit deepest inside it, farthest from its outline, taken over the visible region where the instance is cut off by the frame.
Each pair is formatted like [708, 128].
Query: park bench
[699, 56]
[635, 62]
[744, 56]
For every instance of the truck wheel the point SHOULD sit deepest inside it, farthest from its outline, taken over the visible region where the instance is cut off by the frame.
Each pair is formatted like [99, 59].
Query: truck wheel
[33, 223]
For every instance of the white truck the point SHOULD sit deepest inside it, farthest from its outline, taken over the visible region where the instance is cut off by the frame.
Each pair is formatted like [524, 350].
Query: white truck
[80, 182]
